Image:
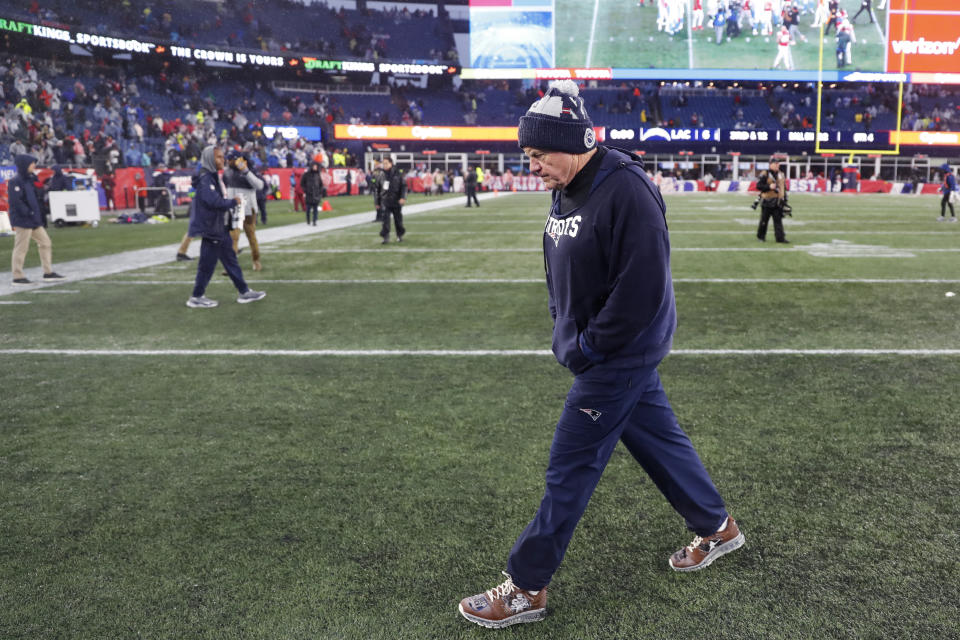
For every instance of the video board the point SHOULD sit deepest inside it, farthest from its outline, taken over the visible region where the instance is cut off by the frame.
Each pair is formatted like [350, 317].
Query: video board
[512, 34]
[723, 40]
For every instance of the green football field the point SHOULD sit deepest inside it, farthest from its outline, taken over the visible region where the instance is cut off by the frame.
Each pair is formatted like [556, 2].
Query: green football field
[351, 456]
[625, 35]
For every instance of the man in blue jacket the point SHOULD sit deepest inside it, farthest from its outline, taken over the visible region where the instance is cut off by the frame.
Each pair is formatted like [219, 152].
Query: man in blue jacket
[948, 189]
[27, 220]
[607, 257]
[210, 218]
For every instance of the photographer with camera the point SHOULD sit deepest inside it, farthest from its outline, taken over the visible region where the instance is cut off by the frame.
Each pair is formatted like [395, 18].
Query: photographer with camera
[773, 200]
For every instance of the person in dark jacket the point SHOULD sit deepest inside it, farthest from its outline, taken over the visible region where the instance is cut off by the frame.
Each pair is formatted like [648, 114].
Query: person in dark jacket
[470, 187]
[58, 181]
[376, 187]
[772, 186]
[27, 220]
[949, 191]
[313, 190]
[607, 259]
[210, 219]
[393, 195]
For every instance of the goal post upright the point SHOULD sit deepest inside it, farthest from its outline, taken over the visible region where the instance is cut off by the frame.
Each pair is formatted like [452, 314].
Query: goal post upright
[896, 134]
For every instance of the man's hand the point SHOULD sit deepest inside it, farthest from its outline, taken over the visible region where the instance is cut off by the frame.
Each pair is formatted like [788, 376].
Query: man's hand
[241, 164]
[237, 199]
[402, 201]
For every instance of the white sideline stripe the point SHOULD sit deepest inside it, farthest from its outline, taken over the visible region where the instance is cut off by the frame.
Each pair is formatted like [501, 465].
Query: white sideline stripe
[541, 281]
[818, 280]
[386, 252]
[672, 219]
[462, 352]
[108, 265]
[14, 302]
[348, 281]
[417, 250]
[47, 291]
[803, 248]
[699, 232]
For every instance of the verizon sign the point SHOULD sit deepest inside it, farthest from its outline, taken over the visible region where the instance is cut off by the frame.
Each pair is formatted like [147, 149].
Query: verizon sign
[924, 36]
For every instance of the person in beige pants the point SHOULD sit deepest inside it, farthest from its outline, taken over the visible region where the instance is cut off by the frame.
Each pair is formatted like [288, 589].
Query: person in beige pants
[26, 218]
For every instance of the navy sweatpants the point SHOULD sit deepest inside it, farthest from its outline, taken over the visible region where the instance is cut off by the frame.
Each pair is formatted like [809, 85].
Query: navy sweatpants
[212, 250]
[602, 408]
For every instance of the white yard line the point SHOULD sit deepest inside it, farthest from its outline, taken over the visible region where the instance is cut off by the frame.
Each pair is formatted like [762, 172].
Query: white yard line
[57, 291]
[541, 281]
[392, 249]
[593, 33]
[691, 232]
[876, 24]
[462, 352]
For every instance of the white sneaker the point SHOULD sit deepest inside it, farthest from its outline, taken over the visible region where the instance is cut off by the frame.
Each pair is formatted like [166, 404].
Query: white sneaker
[941, 219]
[203, 302]
[251, 296]
[953, 218]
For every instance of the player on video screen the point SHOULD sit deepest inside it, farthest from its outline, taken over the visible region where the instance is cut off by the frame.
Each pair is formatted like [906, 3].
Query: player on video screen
[697, 23]
[846, 36]
[766, 18]
[783, 49]
[821, 15]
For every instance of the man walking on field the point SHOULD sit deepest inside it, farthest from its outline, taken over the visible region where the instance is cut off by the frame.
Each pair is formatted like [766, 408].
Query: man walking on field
[607, 259]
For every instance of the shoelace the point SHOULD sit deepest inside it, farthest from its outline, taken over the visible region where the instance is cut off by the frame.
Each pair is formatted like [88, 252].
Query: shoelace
[696, 543]
[502, 590]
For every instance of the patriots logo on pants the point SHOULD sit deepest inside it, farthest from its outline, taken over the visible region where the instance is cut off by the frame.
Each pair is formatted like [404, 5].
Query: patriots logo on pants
[593, 413]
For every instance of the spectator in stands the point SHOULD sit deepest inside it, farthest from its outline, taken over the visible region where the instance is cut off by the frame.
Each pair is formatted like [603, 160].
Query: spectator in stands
[28, 222]
[208, 220]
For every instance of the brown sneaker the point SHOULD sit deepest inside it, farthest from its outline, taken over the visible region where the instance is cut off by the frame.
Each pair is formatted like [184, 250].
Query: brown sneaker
[702, 551]
[505, 605]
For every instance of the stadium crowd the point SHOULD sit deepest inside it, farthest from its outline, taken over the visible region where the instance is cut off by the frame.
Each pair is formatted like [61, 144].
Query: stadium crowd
[108, 117]
[275, 26]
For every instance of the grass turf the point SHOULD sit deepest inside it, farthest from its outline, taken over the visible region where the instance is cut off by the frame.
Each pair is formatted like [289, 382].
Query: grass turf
[212, 496]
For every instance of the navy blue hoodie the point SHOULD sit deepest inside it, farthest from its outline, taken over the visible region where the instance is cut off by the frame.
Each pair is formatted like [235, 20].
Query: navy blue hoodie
[25, 211]
[607, 256]
[209, 207]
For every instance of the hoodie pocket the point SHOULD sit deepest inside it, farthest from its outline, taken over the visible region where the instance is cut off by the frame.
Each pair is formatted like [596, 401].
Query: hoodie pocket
[565, 346]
